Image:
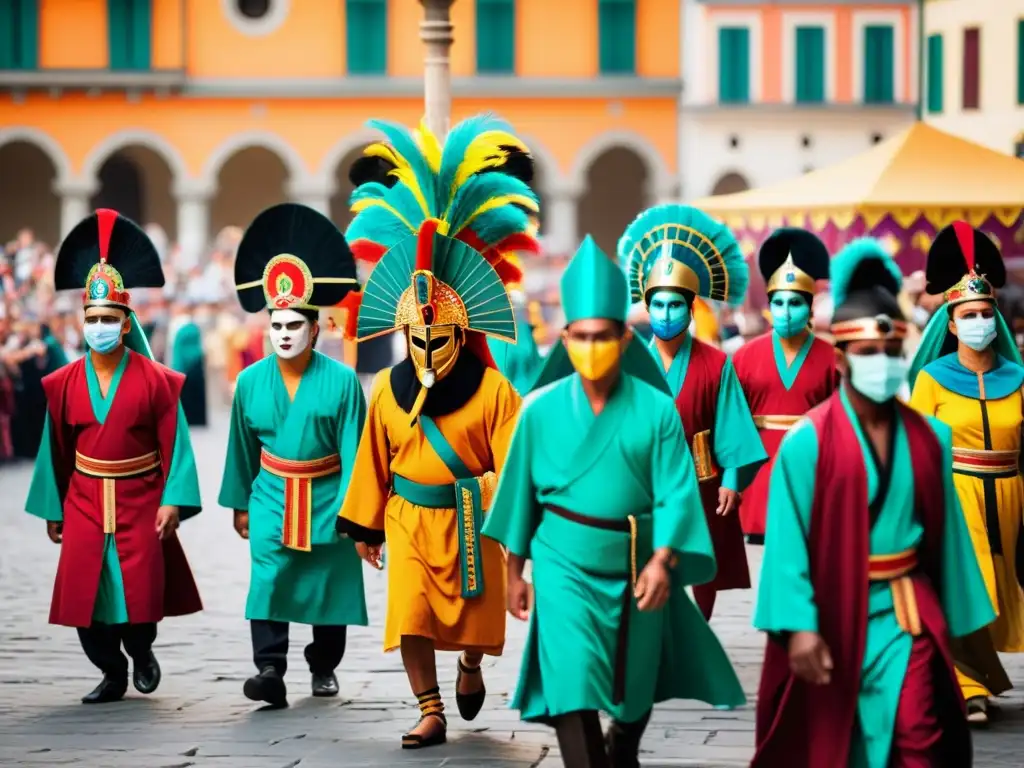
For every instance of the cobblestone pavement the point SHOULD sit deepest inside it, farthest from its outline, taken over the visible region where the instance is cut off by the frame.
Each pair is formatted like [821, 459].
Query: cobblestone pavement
[199, 717]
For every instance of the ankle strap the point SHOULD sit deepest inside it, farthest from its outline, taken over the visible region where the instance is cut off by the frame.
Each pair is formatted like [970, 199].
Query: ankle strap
[468, 670]
[431, 704]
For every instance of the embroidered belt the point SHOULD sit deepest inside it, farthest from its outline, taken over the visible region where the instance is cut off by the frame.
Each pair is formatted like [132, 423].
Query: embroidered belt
[702, 463]
[112, 471]
[991, 464]
[298, 493]
[776, 423]
[470, 498]
[896, 569]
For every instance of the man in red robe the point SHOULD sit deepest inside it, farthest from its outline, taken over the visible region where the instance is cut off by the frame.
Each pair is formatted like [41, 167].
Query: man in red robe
[787, 371]
[115, 472]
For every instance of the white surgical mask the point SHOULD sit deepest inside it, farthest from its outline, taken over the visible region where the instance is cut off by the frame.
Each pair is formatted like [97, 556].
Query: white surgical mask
[976, 332]
[289, 343]
[878, 377]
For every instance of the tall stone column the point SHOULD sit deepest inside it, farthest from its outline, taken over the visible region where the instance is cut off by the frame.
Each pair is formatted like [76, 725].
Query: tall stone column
[561, 222]
[74, 202]
[315, 193]
[436, 34]
[193, 219]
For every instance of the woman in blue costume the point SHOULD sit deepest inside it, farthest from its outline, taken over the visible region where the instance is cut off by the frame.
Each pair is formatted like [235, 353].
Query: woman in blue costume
[967, 372]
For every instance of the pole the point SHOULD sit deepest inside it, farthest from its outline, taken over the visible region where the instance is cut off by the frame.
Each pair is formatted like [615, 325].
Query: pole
[921, 82]
[436, 33]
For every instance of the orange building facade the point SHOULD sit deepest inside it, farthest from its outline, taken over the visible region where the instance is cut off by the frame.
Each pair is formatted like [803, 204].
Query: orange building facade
[196, 114]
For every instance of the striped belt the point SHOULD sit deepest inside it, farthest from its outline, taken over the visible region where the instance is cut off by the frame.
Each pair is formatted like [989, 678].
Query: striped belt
[775, 422]
[298, 493]
[896, 569]
[702, 461]
[992, 464]
[109, 472]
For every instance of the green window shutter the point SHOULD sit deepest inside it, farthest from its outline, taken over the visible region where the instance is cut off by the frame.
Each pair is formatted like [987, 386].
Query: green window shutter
[935, 64]
[1020, 61]
[810, 65]
[734, 65]
[616, 21]
[129, 33]
[879, 55]
[496, 37]
[19, 34]
[367, 36]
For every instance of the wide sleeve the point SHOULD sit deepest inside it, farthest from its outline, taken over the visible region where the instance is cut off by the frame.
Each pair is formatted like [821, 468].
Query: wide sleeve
[785, 600]
[361, 517]
[350, 428]
[924, 398]
[182, 486]
[44, 498]
[503, 417]
[514, 512]
[678, 517]
[965, 599]
[242, 464]
[738, 448]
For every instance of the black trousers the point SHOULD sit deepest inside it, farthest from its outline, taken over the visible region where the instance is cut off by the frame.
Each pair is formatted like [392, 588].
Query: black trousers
[270, 646]
[102, 645]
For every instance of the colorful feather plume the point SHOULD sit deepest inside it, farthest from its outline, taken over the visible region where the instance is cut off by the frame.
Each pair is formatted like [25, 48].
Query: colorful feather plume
[862, 264]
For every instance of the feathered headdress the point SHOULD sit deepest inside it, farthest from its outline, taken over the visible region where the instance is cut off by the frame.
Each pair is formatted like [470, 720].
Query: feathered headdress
[865, 283]
[680, 247]
[440, 224]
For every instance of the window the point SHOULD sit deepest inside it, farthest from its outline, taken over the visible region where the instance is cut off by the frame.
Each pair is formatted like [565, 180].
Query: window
[878, 64]
[972, 68]
[616, 23]
[19, 34]
[935, 73]
[496, 37]
[734, 65]
[1020, 61]
[253, 9]
[810, 65]
[129, 31]
[367, 36]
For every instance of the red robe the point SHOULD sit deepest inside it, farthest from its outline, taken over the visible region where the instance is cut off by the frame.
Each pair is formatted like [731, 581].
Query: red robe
[767, 396]
[697, 404]
[806, 726]
[142, 418]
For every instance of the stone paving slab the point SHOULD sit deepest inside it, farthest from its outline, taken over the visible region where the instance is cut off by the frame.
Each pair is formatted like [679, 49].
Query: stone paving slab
[200, 718]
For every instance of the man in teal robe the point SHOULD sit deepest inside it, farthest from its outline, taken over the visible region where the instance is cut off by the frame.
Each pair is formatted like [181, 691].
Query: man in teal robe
[868, 565]
[520, 362]
[295, 425]
[599, 491]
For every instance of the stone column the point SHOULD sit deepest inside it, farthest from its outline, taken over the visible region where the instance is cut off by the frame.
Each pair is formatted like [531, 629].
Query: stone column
[561, 223]
[315, 193]
[193, 220]
[74, 196]
[436, 34]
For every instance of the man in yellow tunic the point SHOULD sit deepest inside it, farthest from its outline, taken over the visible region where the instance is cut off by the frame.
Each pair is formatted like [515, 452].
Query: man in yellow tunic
[967, 372]
[438, 423]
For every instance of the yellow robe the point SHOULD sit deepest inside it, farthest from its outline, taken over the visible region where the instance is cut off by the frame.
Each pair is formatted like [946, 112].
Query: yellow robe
[422, 550]
[964, 415]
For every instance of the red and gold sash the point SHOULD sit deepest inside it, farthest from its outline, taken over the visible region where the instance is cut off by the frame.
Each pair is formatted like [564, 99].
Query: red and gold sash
[110, 472]
[776, 422]
[896, 569]
[967, 461]
[298, 493]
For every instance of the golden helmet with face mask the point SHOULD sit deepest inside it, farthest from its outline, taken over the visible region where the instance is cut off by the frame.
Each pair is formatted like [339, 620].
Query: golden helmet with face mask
[440, 225]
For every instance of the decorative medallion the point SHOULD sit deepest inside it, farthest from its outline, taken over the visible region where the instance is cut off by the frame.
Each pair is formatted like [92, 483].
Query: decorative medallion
[104, 285]
[287, 282]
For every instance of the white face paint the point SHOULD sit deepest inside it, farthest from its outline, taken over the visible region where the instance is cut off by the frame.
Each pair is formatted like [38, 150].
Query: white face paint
[289, 333]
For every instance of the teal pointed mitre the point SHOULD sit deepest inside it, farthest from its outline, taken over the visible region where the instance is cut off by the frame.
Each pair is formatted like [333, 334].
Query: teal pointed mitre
[594, 286]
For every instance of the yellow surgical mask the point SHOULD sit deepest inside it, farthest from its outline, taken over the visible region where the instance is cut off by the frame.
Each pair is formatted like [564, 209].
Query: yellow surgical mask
[593, 359]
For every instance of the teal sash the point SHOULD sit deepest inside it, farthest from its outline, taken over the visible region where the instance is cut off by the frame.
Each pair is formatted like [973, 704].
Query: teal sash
[463, 496]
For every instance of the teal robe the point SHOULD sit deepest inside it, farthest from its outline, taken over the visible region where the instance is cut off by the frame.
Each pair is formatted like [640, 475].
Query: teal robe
[786, 597]
[631, 459]
[325, 585]
[181, 490]
[520, 362]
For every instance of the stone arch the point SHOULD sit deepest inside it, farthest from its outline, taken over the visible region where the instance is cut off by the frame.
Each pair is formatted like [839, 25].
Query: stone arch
[730, 183]
[29, 188]
[615, 189]
[139, 181]
[333, 172]
[253, 177]
[661, 182]
[293, 162]
[121, 140]
[46, 143]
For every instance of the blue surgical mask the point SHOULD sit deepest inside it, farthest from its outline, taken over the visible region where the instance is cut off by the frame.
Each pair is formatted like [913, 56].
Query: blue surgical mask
[790, 313]
[976, 332]
[878, 377]
[669, 313]
[103, 338]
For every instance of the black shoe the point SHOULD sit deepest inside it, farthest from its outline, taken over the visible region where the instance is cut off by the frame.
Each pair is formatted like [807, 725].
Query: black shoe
[109, 689]
[469, 704]
[267, 686]
[623, 743]
[146, 674]
[433, 738]
[325, 685]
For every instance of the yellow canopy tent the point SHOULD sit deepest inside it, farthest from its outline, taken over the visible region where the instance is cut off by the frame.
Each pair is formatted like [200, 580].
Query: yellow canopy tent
[902, 191]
